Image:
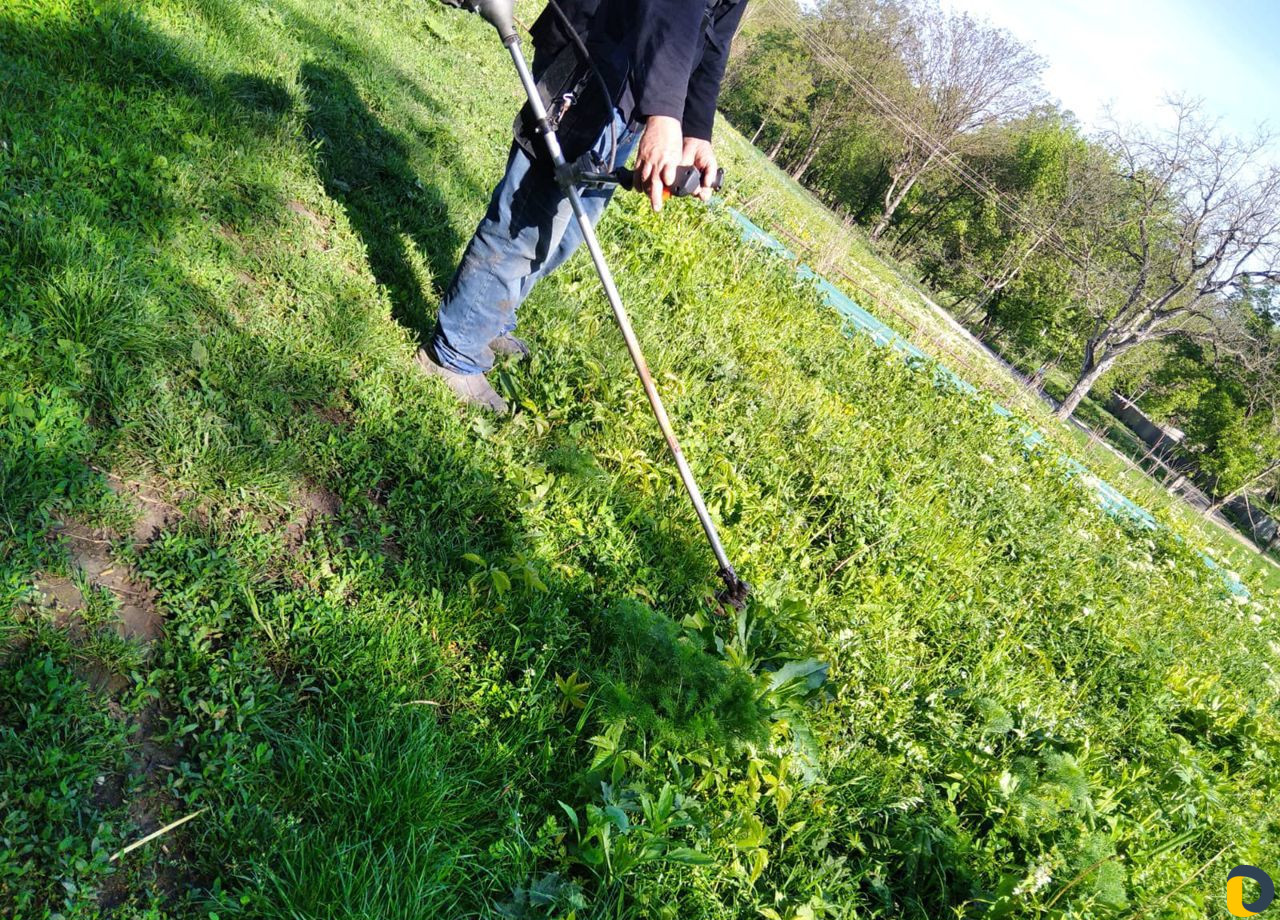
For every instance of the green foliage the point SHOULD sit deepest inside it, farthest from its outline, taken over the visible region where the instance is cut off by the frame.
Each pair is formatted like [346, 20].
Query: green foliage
[58, 745]
[1224, 407]
[669, 688]
[1235, 446]
[772, 85]
[1006, 277]
[43, 437]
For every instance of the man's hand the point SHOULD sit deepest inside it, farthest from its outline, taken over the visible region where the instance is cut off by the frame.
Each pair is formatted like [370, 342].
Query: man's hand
[698, 152]
[658, 156]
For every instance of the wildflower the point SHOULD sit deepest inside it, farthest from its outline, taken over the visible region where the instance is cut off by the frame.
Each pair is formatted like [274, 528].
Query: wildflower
[1037, 879]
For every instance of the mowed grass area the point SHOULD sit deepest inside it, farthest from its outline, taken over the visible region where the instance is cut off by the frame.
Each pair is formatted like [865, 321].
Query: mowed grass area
[417, 662]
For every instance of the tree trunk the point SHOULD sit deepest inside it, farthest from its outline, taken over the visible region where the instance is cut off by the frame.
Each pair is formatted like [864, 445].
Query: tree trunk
[1217, 503]
[777, 148]
[914, 228]
[755, 137]
[805, 163]
[893, 197]
[1000, 282]
[1090, 370]
[871, 197]
[815, 141]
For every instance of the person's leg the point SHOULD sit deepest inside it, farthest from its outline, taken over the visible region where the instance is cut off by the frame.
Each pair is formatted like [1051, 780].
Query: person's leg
[528, 231]
[514, 237]
[594, 201]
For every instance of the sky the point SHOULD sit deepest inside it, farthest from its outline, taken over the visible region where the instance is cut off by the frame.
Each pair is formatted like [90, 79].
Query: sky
[1131, 54]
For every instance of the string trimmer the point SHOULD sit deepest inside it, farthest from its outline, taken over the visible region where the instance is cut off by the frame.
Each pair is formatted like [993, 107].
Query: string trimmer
[500, 14]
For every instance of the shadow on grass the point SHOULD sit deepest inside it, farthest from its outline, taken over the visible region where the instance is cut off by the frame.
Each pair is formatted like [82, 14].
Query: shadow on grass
[391, 207]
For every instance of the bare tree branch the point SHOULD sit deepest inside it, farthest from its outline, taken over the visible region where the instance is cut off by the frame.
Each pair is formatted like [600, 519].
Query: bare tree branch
[1192, 217]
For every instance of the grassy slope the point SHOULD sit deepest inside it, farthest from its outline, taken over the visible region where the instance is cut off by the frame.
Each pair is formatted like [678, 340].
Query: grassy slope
[493, 662]
[776, 201]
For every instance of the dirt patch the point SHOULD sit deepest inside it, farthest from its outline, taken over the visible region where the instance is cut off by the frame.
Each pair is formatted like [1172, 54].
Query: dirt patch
[108, 791]
[154, 514]
[317, 501]
[154, 757]
[392, 549]
[91, 553]
[313, 503]
[104, 681]
[297, 207]
[319, 223]
[339, 418]
[380, 493]
[61, 596]
[161, 867]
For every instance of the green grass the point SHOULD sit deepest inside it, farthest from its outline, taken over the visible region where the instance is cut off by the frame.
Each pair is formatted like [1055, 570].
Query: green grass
[883, 287]
[489, 683]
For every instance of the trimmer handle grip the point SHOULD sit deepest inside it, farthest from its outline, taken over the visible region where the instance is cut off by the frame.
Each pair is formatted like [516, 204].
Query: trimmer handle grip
[688, 181]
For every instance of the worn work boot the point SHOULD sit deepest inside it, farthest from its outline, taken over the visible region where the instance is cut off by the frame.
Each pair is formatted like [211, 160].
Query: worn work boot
[508, 344]
[472, 389]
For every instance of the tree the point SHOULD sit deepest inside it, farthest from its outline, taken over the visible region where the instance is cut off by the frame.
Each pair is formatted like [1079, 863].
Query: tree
[997, 248]
[1223, 392]
[1263, 299]
[1239, 422]
[861, 38]
[1053, 170]
[771, 86]
[1241, 453]
[965, 74]
[1189, 218]
[1169, 381]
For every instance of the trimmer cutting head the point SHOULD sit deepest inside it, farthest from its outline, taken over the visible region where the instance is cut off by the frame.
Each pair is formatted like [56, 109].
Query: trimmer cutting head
[734, 593]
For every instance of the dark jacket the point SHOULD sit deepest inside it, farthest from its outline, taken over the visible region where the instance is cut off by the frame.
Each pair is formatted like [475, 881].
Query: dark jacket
[659, 57]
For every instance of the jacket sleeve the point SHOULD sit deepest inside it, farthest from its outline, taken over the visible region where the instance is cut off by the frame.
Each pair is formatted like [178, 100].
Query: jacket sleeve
[704, 83]
[667, 39]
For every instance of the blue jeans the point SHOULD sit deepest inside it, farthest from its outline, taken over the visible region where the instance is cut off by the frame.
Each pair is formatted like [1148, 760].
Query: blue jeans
[528, 232]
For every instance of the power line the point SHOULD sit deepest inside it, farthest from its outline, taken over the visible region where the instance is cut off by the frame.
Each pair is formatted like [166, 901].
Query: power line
[888, 107]
[904, 122]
